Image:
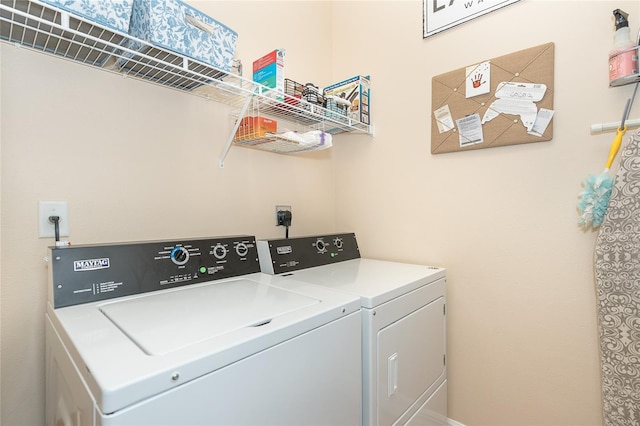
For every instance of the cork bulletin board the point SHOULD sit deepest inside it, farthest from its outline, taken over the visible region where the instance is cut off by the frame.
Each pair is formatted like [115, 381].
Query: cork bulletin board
[506, 100]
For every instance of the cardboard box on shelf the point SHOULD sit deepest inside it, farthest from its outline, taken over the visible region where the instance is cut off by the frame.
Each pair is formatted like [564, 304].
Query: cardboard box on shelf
[255, 127]
[357, 91]
[269, 71]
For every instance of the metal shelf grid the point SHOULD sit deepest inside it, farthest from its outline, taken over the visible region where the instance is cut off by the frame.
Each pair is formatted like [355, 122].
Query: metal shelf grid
[46, 29]
[261, 130]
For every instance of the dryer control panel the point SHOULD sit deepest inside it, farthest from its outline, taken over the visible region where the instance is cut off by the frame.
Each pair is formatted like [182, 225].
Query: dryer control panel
[292, 254]
[90, 273]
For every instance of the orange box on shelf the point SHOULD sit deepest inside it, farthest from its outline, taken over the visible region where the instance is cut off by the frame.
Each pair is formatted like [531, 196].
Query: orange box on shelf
[255, 127]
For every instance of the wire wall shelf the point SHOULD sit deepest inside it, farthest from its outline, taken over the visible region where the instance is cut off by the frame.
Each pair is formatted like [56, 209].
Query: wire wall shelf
[261, 127]
[47, 29]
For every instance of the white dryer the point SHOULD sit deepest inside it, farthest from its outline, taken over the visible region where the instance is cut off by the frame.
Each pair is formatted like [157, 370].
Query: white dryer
[403, 322]
[191, 333]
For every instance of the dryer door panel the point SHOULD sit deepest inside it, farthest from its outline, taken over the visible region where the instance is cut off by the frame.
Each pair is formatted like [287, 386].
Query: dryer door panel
[410, 359]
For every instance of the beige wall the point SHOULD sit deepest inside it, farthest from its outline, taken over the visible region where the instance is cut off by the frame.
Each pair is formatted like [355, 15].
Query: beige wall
[139, 162]
[522, 335]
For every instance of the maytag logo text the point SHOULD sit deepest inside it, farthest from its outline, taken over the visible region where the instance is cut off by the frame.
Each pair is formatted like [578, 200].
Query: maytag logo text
[90, 264]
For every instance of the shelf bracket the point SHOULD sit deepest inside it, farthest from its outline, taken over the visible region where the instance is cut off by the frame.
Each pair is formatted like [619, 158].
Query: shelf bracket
[233, 132]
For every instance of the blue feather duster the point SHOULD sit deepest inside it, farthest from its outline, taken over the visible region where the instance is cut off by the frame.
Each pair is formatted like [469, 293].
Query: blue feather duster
[594, 198]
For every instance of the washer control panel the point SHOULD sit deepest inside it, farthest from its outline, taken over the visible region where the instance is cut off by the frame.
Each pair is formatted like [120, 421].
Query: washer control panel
[90, 273]
[291, 254]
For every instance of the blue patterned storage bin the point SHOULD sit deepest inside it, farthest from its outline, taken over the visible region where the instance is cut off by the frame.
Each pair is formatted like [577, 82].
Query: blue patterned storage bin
[114, 14]
[107, 21]
[176, 26]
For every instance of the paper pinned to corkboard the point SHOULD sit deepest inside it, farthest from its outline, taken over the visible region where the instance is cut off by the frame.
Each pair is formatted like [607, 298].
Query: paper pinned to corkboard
[517, 108]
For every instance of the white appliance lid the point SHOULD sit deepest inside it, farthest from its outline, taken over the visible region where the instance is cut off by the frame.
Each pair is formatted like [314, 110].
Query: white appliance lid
[374, 281]
[168, 321]
[127, 329]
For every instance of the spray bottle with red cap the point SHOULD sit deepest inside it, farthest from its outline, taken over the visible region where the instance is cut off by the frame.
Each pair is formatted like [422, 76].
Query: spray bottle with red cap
[623, 59]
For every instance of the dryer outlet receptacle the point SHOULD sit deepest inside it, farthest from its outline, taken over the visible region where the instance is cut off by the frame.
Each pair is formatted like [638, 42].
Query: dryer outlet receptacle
[283, 215]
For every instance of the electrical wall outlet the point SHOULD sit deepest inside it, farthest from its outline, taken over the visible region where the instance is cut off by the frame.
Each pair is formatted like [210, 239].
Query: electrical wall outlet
[281, 209]
[53, 208]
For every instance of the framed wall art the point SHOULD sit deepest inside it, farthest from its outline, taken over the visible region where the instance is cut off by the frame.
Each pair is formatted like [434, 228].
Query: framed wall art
[439, 15]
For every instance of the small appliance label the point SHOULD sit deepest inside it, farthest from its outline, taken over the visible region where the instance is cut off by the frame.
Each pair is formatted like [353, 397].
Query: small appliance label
[90, 264]
[284, 250]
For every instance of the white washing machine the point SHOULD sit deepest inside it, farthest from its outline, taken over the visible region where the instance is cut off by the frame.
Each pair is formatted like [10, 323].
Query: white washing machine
[403, 322]
[191, 333]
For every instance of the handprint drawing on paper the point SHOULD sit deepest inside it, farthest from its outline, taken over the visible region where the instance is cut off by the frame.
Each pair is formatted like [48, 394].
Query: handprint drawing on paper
[477, 81]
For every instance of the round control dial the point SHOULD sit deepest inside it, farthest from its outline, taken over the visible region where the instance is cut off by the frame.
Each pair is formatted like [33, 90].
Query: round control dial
[337, 242]
[242, 249]
[179, 255]
[321, 246]
[219, 251]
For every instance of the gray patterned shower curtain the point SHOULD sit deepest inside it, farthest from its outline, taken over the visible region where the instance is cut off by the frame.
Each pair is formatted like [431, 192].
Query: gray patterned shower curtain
[617, 270]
